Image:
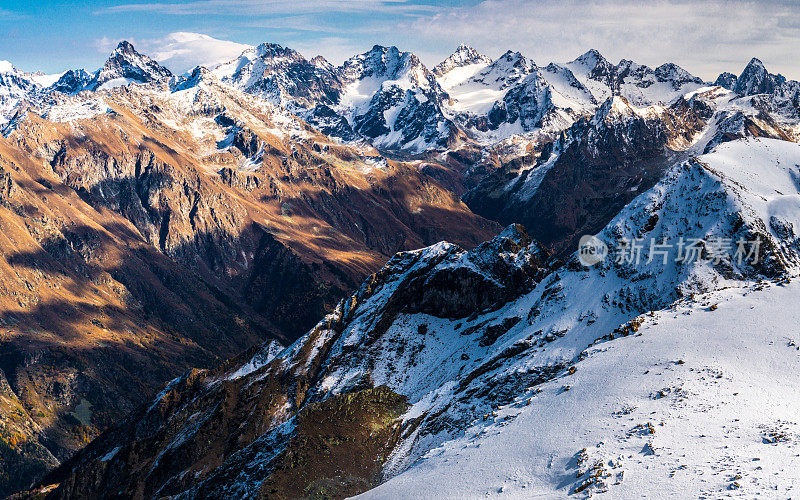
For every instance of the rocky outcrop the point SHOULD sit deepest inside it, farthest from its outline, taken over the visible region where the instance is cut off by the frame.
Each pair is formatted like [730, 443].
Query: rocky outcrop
[726, 80]
[457, 284]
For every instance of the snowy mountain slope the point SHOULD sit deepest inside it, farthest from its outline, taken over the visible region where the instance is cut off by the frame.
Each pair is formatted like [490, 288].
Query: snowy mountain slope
[384, 95]
[700, 402]
[281, 75]
[471, 339]
[391, 98]
[641, 85]
[14, 87]
[718, 196]
[123, 67]
[474, 98]
[580, 181]
[463, 63]
[204, 173]
[513, 96]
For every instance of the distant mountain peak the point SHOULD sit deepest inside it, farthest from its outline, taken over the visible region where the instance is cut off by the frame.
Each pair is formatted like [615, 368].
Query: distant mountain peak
[464, 55]
[126, 64]
[125, 47]
[592, 58]
[755, 79]
[726, 80]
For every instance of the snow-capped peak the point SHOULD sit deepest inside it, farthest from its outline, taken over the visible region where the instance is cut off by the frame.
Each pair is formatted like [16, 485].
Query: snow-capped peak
[7, 67]
[755, 79]
[273, 50]
[126, 65]
[464, 55]
[591, 59]
[614, 107]
[677, 76]
[380, 62]
[726, 80]
[505, 71]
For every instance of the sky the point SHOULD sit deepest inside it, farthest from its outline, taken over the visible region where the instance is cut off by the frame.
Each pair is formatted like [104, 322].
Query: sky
[704, 37]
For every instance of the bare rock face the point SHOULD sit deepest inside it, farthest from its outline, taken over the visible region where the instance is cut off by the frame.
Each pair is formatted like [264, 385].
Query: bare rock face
[726, 80]
[86, 303]
[7, 188]
[488, 276]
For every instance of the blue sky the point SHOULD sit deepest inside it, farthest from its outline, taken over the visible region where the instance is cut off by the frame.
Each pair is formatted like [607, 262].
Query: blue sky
[704, 37]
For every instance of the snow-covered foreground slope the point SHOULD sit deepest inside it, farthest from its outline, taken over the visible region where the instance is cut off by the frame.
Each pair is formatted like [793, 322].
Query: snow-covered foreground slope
[700, 402]
[659, 410]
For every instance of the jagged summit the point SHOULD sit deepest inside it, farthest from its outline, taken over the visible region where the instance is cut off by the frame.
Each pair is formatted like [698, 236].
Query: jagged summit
[380, 61]
[677, 76]
[125, 47]
[726, 80]
[125, 65]
[464, 55]
[591, 58]
[506, 70]
[755, 79]
[282, 76]
[269, 49]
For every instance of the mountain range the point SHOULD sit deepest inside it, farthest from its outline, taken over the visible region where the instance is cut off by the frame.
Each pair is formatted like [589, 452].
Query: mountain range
[312, 258]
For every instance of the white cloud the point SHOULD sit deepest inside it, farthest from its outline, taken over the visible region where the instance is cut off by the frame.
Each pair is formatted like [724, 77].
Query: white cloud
[182, 51]
[335, 49]
[10, 15]
[105, 45]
